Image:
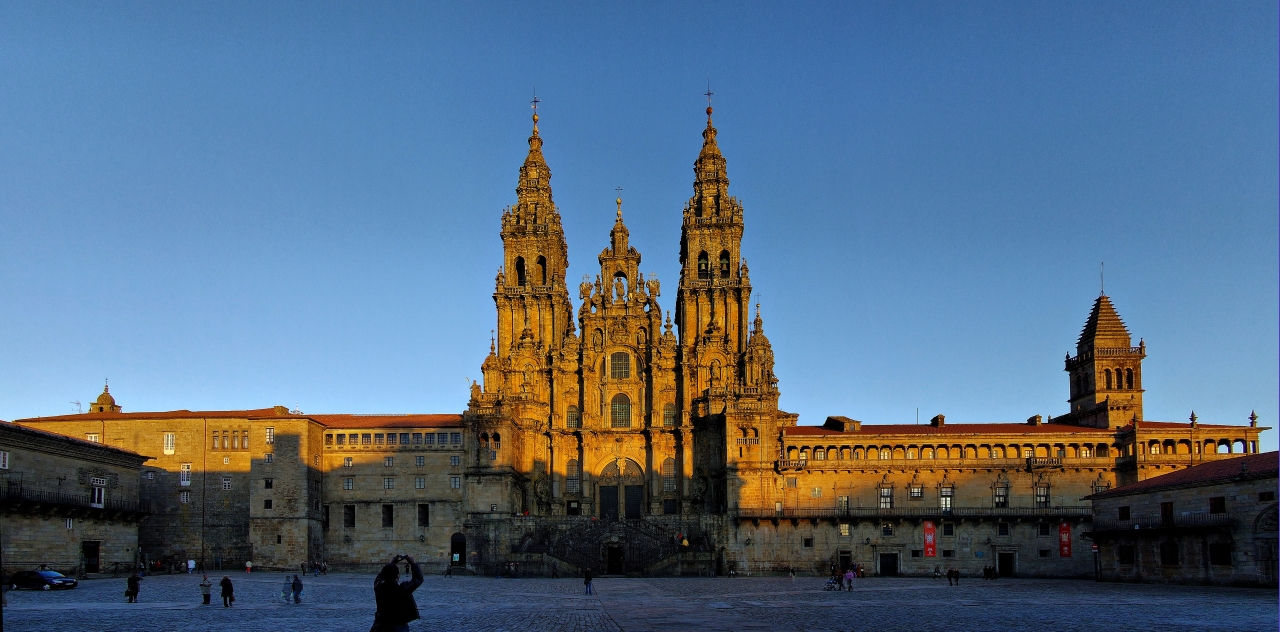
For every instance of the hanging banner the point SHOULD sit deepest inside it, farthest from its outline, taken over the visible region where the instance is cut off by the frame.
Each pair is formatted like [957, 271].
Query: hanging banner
[1064, 539]
[930, 540]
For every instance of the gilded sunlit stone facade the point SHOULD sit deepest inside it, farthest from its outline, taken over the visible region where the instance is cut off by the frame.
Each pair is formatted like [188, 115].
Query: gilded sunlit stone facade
[614, 435]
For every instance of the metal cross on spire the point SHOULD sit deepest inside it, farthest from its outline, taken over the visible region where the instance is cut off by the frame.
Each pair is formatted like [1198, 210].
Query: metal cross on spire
[708, 93]
[534, 103]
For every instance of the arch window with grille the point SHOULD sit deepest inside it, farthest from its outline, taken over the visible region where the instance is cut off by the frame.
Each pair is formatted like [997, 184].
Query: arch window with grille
[669, 475]
[620, 411]
[620, 366]
[573, 478]
[669, 416]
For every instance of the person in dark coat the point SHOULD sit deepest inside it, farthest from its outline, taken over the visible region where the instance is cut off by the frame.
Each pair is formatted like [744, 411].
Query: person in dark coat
[132, 591]
[297, 589]
[228, 593]
[396, 607]
[586, 581]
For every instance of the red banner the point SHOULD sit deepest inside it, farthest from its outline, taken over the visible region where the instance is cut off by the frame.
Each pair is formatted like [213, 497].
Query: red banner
[930, 540]
[1064, 539]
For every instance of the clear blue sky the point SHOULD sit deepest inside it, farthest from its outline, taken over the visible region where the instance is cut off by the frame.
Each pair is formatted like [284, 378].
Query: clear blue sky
[235, 205]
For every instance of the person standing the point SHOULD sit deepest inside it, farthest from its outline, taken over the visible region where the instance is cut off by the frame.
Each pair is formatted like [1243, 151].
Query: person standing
[586, 581]
[297, 589]
[396, 607]
[132, 591]
[248, 566]
[228, 593]
[205, 589]
[848, 578]
[286, 589]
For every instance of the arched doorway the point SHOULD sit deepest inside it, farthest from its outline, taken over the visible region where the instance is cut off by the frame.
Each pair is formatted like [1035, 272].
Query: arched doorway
[458, 550]
[621, 486]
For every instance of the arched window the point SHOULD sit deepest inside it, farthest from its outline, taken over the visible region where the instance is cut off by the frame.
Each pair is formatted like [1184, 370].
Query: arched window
[484, 441]
[573, 478]
[497, 442]
[724, 264]
[620, 408]
[884, 454]
[1107, 373]
[819, 454]
[704, 266]
[620, 365]
[520, 280]
[1128, 378]
[573, 418]
[669, 475]
[669, 416]
[542, 270]
[1085, 452]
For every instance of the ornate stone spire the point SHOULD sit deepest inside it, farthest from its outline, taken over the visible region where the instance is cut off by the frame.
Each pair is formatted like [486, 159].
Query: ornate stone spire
[711, 178]
[533, 190]
[619, 235]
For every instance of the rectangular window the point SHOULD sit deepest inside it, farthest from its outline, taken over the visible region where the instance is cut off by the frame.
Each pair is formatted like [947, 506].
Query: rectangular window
[97, 496]
[184, 497]
[442, 438]
[353, 439]
[842, 504]
[391, 438]
[226, 483]
[328, 439]
[886, 498]
[388, 483]
[388, 461]
[349, 516]
[324, 518]
[845, 529]
[816, 492]
[807, 543]
[420, 483]
[1124, 554]
[92, 437]
[170, 442]
[377, 438]
[366, 439]
[424, 515]
[948, 528]
[1044, 553]
[455, 461]
[1002, 528]
[1042, 495]
[4, 459]
[419, 438]
[1045, 529]
[346, 461]
[267, 483]
[1001, 496]
[268, 458]
[271, 435]
[1122, 513]
[944, 498]
[184, 474]
[455, 438]
[1217, 504]
[792, 481]
[71, 523]
[915, 492]
[404, 438]
[419, 461]
[455, 482]
[348, 483]
[1220, 553]
[917, 552]
[266, 503]
[948, 553]
[388, 516]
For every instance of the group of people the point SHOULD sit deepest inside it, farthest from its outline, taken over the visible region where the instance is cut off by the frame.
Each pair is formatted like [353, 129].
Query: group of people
[292, 588]
[134, 583]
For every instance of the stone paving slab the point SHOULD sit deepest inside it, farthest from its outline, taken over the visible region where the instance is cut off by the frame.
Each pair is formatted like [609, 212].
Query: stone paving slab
[344, 602]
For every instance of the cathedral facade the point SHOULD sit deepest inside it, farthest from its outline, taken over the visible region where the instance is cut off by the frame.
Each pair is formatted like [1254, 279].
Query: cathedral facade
[615, 435]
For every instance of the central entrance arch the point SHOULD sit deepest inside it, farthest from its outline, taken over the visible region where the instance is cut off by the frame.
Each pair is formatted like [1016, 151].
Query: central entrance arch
[622, 480]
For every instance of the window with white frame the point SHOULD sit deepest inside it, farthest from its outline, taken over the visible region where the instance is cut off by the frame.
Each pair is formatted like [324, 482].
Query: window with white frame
[184, 474]
[420, 483]
[455, 482]
[346, 461]
[944, 498]
[388, 461]
[388, 483]
[348, 483]
[268, 458]
[184, 497]
[886, 498]
[170, 442]
[4, 459]
[226, 483]
[419, 461]
[93, 437]
[271, 435]
[97, 491]
[455, 461]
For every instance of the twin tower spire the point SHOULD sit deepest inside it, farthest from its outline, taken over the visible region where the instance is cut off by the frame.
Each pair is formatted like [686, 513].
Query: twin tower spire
[712, 308]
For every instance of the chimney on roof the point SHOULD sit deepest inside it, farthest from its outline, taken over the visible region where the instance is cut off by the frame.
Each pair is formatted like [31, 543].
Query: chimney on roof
[843, 424]
[1035, 420]
[937, 421]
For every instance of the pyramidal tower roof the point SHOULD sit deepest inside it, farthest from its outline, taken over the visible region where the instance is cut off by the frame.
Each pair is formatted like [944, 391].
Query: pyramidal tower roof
[1104, 329]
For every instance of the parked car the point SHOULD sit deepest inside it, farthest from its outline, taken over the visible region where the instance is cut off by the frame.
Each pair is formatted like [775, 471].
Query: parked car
[41, 580]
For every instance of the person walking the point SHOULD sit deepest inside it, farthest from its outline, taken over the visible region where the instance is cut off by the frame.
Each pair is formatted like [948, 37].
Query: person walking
[586, 581]
[848, 578]
[131, 592]
[396, 607]
[297, 589]
[228, 592]
[286, 589]
[205, 589]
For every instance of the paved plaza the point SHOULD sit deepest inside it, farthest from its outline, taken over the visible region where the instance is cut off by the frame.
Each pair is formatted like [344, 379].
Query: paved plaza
[341, 601]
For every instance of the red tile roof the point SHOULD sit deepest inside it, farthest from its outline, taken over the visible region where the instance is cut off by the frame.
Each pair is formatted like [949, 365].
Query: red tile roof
[1253, 466]
[926, 430]
[332, 421]
[388, 421]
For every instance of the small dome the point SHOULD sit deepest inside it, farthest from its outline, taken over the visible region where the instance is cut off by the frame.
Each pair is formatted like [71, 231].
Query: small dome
[105, 399]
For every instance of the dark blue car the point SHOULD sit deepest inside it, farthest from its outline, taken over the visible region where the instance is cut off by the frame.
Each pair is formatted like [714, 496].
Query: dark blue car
[41, 580]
